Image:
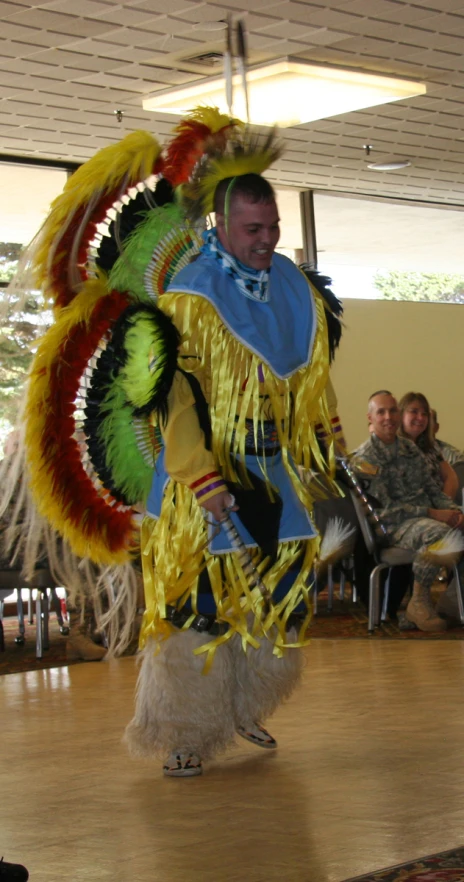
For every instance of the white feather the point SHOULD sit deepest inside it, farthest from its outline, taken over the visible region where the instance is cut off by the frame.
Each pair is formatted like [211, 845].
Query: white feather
[337, 540]
[228, 81]
[446, 550]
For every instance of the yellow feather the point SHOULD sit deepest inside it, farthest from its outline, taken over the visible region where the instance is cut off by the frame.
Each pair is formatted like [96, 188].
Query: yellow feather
[231, 167]
[42, 486]
[212, 118]
[119, 165]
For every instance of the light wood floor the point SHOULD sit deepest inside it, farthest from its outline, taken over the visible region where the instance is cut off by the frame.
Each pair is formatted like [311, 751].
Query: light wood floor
[369, 773]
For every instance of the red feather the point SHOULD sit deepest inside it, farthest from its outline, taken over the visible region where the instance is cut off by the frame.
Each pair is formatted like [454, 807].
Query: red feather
[81, 501]
[187, 148]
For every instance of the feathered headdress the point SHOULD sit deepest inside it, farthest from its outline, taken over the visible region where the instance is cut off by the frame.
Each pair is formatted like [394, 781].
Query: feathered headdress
[246, 152]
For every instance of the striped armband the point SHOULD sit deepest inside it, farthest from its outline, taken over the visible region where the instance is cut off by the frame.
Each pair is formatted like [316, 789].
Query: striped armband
[208, 486]
[336, 432]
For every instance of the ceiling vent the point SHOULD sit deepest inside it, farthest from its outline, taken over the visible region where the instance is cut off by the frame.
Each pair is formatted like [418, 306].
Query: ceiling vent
[211, 60]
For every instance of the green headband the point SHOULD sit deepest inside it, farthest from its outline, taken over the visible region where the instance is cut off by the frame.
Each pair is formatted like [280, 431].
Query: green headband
[227, 203]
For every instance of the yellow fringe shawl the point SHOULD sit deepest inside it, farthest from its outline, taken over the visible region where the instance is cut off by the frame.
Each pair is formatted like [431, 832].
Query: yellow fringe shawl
[174, 548]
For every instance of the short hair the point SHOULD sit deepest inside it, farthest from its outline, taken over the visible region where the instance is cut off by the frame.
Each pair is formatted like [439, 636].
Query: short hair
[426, 439]
[374, 395]
[379, 392]
[252, 187]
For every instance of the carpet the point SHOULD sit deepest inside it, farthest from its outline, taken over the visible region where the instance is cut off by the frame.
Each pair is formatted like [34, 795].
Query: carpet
[348, 620]
[447, 866]
[22, 658]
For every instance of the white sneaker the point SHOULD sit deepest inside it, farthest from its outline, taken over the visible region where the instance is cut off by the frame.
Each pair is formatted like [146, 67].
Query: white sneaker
[182, 765]
[257, 735]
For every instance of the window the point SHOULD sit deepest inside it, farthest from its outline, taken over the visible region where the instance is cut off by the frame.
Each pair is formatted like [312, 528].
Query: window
[383, 249]
[27, 192]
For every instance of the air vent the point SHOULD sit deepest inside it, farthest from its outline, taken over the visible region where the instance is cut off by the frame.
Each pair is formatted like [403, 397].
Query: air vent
[208, 59]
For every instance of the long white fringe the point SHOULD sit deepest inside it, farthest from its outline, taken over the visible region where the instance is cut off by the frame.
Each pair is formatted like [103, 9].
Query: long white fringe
[29, 540]
[178, 708]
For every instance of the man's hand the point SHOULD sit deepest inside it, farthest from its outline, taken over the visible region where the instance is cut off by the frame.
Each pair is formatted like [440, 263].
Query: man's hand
[220, 504]
[453, 519]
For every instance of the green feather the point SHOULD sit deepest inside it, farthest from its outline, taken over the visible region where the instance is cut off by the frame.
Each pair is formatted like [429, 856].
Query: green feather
[145, 358]
[129, 270]
[131, 473]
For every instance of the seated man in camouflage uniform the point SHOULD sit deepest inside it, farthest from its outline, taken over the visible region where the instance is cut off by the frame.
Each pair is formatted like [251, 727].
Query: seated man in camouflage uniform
[414, 511]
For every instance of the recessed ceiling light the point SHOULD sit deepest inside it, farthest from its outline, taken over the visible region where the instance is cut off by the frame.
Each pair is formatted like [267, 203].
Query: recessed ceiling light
[389, 166]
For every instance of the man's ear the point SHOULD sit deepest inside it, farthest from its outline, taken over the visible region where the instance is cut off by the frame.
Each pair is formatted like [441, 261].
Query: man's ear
[221, 229]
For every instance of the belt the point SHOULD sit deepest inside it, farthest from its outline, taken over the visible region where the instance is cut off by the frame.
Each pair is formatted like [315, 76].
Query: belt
[202, 623]
[199, 623]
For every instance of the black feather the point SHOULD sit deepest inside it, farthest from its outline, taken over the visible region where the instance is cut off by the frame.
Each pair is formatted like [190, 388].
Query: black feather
[333, 306]
[110, 362]
[128, 219]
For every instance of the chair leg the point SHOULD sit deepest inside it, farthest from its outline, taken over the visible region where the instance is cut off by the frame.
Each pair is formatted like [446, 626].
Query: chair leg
[46, 620]
[56, 606]
[374, 598]
[386, 595]
[2, 636]
[30, 609]
[342, 581]
[459, 590]
[330, 586]
[41, 623]
[20, 606]
[354, 590]
[315, 596]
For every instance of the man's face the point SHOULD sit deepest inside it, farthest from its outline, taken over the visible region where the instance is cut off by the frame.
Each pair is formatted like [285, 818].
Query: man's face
[252, 232]
[384, 417]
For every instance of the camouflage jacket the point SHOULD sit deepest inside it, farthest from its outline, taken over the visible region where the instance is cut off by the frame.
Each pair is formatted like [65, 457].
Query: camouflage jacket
[449, 453]
[398, 477]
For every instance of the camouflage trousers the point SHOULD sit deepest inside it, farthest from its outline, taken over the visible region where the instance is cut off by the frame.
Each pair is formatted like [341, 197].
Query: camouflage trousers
[416, 534]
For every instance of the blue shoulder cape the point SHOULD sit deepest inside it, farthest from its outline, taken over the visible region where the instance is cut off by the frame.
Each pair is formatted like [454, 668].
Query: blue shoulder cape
[281, 330]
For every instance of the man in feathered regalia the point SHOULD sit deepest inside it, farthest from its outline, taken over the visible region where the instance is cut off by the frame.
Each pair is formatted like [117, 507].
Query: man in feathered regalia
[197, 367]
[253, 363]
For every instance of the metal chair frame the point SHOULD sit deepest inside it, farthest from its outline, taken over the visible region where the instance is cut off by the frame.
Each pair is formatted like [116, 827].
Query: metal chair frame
[42, 581]
[387, 559]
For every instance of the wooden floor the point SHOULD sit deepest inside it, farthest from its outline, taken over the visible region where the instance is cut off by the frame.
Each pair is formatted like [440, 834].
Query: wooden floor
[369, 773]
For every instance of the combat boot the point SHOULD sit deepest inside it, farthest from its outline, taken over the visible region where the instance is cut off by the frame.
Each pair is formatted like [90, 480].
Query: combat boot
[447, 604]
[79, 645]
[420, 611]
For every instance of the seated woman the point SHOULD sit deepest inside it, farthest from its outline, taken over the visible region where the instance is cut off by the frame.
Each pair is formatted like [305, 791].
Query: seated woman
[417, 425]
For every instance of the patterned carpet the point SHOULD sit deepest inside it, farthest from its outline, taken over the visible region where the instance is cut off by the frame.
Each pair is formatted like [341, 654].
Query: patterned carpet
[447, 866]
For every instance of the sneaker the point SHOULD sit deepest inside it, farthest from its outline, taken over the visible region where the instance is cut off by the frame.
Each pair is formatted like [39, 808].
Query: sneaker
[257, 735]
[12, 872]
[182, 765]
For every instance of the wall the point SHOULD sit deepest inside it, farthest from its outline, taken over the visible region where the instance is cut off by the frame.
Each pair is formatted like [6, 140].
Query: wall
[402, 347]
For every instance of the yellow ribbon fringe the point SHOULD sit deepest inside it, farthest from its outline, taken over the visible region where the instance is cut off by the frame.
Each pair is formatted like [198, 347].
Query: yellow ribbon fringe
[174, 548]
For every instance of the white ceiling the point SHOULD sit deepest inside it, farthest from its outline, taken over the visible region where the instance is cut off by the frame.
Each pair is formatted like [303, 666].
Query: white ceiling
[67, 66]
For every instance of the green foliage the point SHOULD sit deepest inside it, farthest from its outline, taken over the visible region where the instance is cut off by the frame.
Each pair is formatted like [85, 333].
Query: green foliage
[9, 256]
[428, 287]
[20, 327]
